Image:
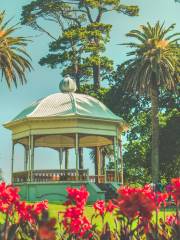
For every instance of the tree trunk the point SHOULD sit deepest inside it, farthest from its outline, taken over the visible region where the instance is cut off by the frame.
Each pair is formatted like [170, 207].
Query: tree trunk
[78, 83]
[76, 67]
[81, 165]
[155, 134]
[76, 75]
[96, 76]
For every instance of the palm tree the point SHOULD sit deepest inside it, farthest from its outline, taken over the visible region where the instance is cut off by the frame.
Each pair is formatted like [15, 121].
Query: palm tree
[106, 152]
[14, 60]
[153, 65]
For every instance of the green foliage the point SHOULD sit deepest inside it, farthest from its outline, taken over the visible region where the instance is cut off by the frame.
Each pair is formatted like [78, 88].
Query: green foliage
[154, 58]
[14, 60]
[83, 37]
[169, 144]
[138, 149]
[72, 49]
[136, 110]
[153, 65]
[99, 94]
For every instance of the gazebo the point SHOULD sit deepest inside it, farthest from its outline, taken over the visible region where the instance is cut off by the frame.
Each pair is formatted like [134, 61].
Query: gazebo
[61, 121]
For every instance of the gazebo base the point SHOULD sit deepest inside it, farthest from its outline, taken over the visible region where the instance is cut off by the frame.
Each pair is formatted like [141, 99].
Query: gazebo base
[56, 191]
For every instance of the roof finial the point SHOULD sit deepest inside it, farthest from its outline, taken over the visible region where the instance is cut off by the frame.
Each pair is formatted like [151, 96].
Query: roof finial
[67, 85]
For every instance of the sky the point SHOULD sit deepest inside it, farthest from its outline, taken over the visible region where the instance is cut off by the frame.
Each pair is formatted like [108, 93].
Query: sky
[43, 81]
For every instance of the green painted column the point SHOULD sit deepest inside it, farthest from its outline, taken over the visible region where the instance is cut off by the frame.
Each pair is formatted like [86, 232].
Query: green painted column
[98, 159]
[33, 148]
[29, 159]
[77, 154]
[115, 158]
[12, 161]
[66, 158]
[25, 158]
[32, 156]
[95, 164]
[118, 161]
[60, 158]
[81, 160]
[122, 162]
[104, 166]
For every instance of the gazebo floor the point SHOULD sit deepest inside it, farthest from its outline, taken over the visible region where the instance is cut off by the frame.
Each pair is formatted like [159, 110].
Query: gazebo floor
[56, 191]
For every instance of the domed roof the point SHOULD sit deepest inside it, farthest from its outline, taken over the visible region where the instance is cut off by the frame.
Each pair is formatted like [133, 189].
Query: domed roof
[68, 104]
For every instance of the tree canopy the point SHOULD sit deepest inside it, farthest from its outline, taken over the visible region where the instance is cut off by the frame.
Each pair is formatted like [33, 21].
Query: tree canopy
[136, 110]
[81, 33]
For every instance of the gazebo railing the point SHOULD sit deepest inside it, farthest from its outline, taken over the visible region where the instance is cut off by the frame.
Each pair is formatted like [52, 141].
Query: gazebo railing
[51, 175]
[18, 177]
[108, 177]
[96, 178]
[63, 175]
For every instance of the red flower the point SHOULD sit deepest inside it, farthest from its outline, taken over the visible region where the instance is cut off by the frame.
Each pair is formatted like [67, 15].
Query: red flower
[161, 198]
[73, 212]
[74, 221]
[176, 189]
[110, 206]
[29, 212]
[40, 206]
[99, 206]
[8, 198]
[134, 202]
[77, 196]
[25, 212]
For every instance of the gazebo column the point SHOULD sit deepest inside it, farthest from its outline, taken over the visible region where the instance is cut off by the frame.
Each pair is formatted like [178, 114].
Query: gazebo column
[25, 158]
[60, 158]
[31, 157]
[121, 160]
[98, 159]
[118, 166]
[95, 164]
[66, 158]
[77, 153]
[102, 164]
[115, 158]
[12, 161]
[81, 163]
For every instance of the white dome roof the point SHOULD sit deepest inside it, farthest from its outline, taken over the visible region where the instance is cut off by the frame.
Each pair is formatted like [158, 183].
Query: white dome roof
[67, 104]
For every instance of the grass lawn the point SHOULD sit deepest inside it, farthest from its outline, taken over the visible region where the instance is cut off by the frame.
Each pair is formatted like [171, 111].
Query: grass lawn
[89, 211]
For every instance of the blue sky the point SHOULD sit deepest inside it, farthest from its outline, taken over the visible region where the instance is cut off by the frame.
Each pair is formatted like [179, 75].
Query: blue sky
[43, 81]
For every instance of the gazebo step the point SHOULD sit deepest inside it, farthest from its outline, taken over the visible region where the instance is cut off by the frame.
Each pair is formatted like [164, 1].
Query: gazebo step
[110, 189]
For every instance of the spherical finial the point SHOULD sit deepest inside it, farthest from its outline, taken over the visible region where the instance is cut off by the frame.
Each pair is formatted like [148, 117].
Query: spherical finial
[67, 85]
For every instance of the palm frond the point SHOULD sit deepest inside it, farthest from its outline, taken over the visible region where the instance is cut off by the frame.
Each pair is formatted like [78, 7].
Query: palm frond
[14, 60]
[156, 57]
